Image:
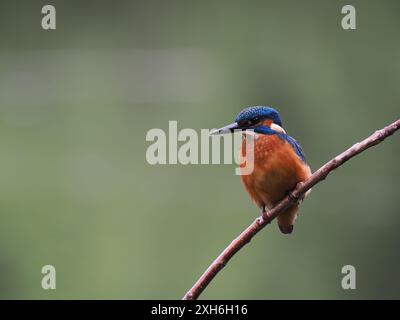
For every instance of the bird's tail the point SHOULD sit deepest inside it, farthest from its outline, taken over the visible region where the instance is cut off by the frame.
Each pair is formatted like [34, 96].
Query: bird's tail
[287, 218]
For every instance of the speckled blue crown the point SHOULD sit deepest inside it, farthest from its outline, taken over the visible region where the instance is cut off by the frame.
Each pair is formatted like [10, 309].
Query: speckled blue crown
[259, 112]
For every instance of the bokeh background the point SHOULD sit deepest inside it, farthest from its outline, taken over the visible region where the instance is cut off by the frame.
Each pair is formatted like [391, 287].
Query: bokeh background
[76, 103]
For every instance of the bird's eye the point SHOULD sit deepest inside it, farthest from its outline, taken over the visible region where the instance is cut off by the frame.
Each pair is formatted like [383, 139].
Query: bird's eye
[252, 122]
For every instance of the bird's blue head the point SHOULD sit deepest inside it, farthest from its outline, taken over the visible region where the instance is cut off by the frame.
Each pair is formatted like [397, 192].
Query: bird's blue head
[257, 114]
[252, 117]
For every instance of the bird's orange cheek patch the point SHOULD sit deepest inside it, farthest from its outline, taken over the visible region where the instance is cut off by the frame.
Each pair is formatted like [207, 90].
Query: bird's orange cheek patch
[267, 122]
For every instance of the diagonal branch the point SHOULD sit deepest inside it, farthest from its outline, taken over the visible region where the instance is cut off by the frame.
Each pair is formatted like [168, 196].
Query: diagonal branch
[294, 196]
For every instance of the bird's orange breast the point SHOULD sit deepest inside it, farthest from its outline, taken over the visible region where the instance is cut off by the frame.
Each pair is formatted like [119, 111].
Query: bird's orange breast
[277, 170]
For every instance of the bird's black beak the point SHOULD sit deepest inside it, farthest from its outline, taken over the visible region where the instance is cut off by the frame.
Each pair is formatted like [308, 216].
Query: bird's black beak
[230, 128]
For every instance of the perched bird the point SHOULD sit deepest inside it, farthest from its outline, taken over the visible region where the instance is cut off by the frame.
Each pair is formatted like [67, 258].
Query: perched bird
[279, 162]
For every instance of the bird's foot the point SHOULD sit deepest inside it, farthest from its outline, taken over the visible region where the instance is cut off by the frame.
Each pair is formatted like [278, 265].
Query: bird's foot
[264, 213]
[294, 198]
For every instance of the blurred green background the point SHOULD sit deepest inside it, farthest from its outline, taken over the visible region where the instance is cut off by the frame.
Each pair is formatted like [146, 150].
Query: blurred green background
[76, 103]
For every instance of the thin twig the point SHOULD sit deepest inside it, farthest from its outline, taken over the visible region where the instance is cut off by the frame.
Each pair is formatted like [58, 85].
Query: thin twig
[297, 193]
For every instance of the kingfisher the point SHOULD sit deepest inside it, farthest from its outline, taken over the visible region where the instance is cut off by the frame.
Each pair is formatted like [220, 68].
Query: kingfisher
[279, 161]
